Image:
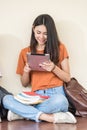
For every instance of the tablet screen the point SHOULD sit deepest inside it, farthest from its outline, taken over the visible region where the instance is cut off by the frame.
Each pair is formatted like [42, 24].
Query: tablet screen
[35, 59]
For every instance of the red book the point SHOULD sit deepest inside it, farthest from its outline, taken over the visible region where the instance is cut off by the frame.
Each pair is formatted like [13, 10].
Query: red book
[35, 94]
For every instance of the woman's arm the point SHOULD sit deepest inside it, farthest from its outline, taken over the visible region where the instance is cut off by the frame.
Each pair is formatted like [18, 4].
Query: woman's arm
[64, 72]
[25, 78]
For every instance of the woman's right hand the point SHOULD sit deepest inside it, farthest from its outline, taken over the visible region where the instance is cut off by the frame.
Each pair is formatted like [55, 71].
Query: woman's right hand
[27, 69]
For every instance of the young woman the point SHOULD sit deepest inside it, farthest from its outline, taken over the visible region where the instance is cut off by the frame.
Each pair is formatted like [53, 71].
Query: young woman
[44, 39]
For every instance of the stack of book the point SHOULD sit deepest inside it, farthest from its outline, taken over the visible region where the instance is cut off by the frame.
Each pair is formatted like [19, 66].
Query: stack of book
[30, 98]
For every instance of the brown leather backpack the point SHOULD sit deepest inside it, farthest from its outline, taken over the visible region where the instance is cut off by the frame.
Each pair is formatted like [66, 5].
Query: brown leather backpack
[77, 97]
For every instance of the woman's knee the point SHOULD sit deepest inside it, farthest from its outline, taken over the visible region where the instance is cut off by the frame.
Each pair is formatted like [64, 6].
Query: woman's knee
[61, 102]
[7, 100]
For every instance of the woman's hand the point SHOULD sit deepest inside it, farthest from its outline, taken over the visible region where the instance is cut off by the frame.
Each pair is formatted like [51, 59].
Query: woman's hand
[27, 69]
[48, 65]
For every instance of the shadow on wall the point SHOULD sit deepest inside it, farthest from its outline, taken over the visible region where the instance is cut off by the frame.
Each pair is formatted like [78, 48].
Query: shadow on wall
[10, 47]
[73, 36]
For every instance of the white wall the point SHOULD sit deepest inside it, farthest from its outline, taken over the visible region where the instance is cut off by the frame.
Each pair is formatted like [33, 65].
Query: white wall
[16, 17]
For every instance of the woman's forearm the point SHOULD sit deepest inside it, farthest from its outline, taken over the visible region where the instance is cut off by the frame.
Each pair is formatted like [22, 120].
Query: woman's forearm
[65, 76]
[25, 79]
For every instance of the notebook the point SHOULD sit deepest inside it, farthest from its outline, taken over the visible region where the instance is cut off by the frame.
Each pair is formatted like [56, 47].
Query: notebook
[35, 59]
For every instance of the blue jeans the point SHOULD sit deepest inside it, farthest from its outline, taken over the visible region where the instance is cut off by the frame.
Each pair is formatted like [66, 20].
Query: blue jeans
[56, 103]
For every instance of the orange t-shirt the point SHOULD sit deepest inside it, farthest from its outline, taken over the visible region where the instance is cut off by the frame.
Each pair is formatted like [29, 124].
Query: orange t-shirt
[41, 80]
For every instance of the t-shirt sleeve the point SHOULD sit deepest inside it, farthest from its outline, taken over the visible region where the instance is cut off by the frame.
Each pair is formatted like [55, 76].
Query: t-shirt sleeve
[63, 52]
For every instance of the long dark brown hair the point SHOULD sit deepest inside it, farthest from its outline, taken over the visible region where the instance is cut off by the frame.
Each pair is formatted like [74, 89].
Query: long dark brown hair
[52, 44]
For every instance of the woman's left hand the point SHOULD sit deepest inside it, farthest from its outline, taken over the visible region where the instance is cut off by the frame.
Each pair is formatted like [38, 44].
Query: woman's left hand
[48, 65]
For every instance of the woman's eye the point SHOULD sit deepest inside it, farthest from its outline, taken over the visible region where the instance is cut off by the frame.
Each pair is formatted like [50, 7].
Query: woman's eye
[38, 32]
[45, 33]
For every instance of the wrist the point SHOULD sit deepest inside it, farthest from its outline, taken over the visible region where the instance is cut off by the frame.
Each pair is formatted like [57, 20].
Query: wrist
[53, 68]
[26, 71]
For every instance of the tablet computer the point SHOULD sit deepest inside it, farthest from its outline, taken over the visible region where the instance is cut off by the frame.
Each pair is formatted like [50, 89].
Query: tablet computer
[35, 59]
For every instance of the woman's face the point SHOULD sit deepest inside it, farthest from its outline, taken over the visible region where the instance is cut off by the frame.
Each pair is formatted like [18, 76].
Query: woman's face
[40, 33]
